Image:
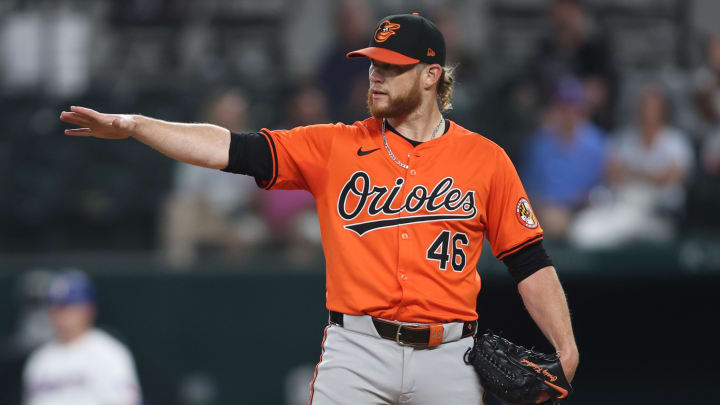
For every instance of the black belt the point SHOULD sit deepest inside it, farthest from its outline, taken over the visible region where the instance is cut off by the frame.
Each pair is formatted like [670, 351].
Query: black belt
[408, 335]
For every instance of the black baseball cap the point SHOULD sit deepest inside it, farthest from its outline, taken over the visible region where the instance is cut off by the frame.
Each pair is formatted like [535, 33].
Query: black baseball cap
[405, 39]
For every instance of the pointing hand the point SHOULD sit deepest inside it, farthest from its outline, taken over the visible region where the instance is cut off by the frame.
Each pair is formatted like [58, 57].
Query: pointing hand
[99, 125]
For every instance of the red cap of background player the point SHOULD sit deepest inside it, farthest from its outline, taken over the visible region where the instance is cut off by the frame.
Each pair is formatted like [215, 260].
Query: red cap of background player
[405, 39]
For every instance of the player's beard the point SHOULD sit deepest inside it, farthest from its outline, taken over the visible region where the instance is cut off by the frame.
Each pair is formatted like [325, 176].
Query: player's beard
[397, 106]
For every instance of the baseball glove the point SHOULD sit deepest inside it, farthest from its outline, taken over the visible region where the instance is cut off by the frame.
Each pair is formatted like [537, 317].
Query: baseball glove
[514, 374]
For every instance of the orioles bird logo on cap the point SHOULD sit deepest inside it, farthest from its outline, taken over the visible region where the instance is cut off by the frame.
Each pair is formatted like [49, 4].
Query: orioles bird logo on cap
[385, 30]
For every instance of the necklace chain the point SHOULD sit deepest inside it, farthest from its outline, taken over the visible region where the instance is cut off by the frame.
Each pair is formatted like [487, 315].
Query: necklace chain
[392, 155]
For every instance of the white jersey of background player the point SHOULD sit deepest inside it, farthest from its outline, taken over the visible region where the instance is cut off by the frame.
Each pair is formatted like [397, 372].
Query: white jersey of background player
[82, 365]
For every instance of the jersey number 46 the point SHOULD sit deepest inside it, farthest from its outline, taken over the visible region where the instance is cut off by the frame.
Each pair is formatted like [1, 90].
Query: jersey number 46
[448, 248]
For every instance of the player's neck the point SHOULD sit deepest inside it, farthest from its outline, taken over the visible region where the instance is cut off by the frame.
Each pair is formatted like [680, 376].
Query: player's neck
[70, 337]
[420, 124]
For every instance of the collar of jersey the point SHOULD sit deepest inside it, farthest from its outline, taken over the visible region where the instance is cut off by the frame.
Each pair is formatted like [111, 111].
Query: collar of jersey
[423, 145]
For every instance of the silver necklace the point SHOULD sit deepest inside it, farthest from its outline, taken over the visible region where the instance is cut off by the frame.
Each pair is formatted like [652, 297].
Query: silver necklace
[392, 155]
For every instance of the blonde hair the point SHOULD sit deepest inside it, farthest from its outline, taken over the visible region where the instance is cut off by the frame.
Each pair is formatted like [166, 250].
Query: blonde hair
[445, 88]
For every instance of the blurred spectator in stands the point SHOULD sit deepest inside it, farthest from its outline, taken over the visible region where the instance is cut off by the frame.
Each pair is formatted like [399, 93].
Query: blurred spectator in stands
[711, 154]
[210, 210]
[574, 47]
[564, 159]
[342, 80]
[647, 169]
[652, 157]
[467, 98]
[307, 106]
[704, 125]
[82, 365]
[707, 87]
[290, 214]
[707, 101]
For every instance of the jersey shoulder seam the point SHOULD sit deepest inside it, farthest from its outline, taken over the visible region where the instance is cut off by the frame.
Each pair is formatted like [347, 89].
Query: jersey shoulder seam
[482, 141]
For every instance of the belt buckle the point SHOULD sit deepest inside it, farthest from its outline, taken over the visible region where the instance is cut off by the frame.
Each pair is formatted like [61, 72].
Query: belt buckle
[397, 337]
[401, 343]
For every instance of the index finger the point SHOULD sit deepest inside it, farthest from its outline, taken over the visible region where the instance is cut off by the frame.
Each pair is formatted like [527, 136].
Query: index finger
[85, 111]
[74, 118]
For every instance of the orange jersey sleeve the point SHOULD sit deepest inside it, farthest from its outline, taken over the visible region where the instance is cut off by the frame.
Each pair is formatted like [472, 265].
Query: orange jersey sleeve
[511, 222]
[300, 156]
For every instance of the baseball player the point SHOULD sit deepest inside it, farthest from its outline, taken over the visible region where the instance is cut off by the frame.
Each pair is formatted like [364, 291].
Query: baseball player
[83, 365]
[404, 200]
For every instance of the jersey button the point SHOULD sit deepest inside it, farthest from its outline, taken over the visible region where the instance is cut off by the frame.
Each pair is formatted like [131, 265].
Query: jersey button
[404, 235]
[413, 172]
[403, 277]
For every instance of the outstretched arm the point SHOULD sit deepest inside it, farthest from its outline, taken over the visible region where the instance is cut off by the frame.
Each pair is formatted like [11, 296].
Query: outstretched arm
[198, 144]
[544, 299]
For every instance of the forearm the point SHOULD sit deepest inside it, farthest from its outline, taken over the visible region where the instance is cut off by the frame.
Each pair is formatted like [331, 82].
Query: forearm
[615, 172]
[544, 299]
[197, 144]
[672, 175]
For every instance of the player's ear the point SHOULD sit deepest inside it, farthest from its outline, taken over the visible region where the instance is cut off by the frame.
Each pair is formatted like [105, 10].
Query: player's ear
[430, 75]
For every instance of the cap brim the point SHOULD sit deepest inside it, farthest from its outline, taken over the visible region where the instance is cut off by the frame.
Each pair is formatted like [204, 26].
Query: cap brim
[383, 55]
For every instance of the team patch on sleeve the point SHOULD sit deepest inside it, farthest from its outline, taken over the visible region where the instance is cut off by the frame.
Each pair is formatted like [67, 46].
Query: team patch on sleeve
[525, 215]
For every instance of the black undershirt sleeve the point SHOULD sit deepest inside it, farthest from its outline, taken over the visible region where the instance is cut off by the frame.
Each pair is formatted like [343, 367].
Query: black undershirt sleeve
[526, 261]
[249, 154]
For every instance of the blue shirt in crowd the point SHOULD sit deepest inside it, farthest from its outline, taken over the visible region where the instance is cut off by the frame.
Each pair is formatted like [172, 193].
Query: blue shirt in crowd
[562, 172]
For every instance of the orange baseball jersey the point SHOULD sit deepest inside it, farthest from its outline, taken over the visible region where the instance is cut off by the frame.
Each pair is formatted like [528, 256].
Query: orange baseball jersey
[402, 244]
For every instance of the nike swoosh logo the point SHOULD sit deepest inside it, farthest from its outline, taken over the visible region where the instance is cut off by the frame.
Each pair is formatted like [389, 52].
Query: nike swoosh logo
[361, 152]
